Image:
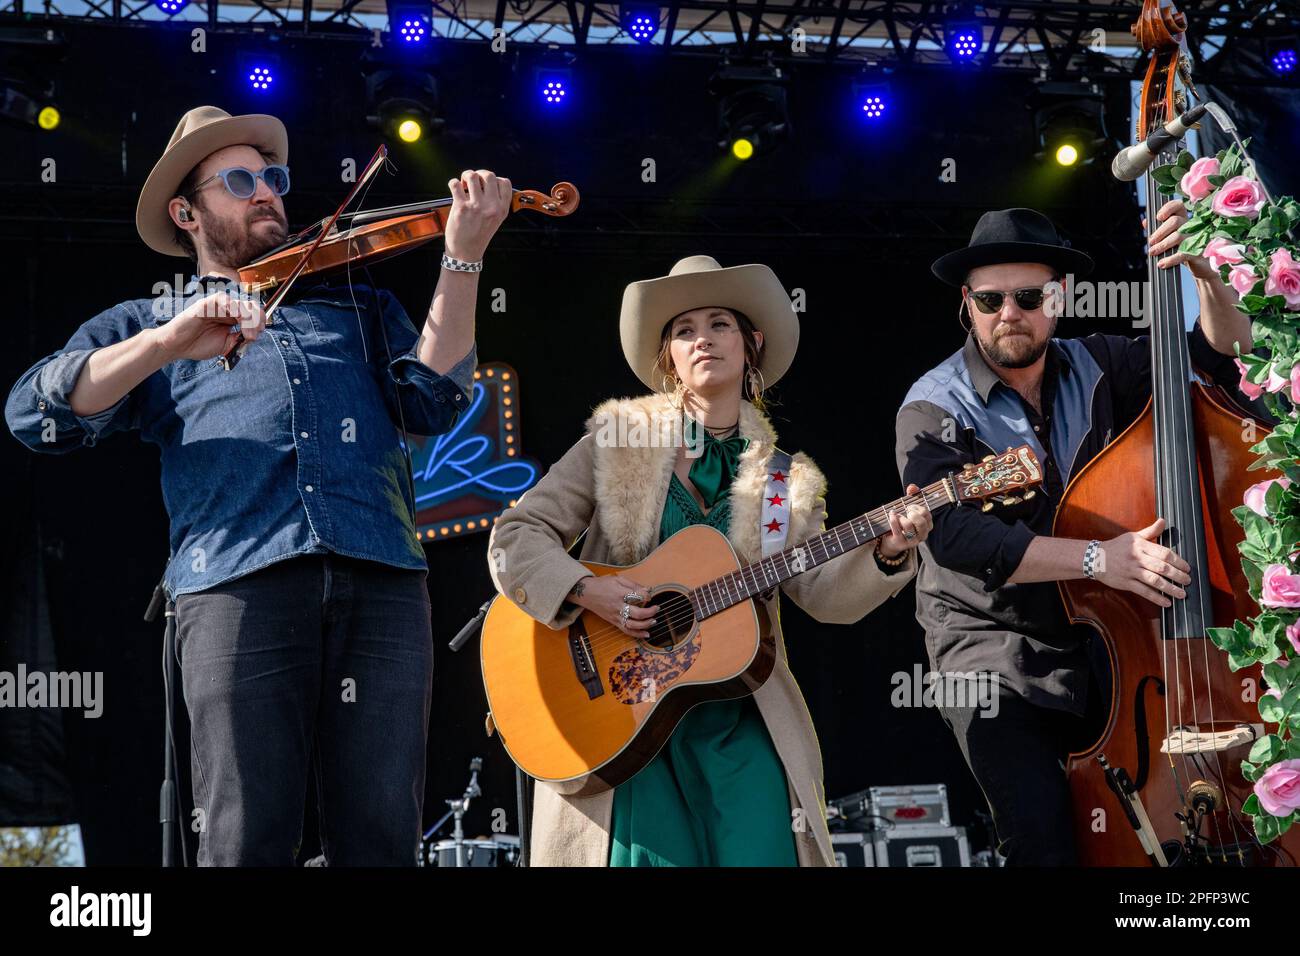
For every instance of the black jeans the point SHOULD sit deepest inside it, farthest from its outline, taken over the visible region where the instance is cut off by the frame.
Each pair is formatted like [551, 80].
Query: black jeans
[317, 663]
[1018, 759]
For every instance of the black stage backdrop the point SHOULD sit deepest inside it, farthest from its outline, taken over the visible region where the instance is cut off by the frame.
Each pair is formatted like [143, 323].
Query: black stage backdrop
[849, 215]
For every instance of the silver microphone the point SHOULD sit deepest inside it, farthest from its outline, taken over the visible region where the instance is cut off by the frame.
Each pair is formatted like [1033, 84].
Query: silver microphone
[1131, 163]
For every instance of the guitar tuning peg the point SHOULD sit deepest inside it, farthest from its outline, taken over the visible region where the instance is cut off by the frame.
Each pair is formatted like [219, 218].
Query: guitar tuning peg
[987, 506]
[1011, 500]
[1028, 494]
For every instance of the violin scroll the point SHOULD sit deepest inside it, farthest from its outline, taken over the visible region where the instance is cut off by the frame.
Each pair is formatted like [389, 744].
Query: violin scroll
[562, 200]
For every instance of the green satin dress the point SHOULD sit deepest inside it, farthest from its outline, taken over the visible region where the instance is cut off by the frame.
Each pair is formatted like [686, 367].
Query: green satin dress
[716, 794]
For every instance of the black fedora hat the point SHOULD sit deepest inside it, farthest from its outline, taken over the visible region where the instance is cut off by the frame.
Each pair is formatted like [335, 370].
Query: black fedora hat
[1012, 235]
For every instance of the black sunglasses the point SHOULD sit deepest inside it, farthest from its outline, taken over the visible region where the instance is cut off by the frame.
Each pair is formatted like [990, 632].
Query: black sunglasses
[242, 183]
[990, 302]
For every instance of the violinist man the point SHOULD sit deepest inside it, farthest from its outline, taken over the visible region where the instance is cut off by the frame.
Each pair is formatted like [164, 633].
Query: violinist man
[986, 592]
[302, 615]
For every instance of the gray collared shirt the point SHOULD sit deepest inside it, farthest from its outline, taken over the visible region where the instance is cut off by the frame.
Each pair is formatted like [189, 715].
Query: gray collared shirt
[958, 412]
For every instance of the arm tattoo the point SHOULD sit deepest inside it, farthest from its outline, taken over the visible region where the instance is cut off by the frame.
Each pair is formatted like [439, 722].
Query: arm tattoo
[578, 589]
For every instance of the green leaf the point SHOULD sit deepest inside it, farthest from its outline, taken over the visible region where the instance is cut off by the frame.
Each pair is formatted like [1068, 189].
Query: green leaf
[1283, 676]
[1184, 160]
[1250, 806]
[1254, 576]
[1267, 749]
[1270, 708]
[1250, 771]
[1165, 175]
[1267, 828]
[1273, 497]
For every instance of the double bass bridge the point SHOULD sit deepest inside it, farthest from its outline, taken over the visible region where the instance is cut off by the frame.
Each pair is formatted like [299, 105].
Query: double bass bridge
[1189, 741]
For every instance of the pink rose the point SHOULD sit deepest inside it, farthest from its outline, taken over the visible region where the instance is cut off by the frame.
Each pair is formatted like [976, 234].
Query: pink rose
[1242, 278]
[1239, 196]
[1295, 383]
[1293, 635]
[1284, 278]
[1274, 382]
[1256, 493]
[1248, 388]
[1278, 788]
[1280, 588]
[1224, 252]
[1196, 183]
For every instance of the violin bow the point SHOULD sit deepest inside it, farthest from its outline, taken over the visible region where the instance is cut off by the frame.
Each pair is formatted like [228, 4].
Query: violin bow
[231, 358]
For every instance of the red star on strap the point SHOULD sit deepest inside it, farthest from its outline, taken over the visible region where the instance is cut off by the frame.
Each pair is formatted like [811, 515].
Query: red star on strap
[776, 501]
[773, 526]
[778, 476]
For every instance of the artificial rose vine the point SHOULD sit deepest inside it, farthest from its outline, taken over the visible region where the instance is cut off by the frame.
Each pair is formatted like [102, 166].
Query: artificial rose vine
[1251, 241]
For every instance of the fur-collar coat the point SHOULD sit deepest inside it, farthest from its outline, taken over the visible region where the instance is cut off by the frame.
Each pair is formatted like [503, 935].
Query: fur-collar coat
[612, 485]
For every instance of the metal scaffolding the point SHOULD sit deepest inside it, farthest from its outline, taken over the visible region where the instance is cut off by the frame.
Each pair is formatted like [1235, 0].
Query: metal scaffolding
[1053, 38]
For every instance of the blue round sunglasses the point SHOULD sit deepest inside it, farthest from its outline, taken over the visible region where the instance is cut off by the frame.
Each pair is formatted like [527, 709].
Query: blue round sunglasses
[242, 183]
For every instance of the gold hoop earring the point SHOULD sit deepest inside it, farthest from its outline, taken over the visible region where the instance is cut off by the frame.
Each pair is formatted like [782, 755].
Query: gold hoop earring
[963, 311]
[673, 391]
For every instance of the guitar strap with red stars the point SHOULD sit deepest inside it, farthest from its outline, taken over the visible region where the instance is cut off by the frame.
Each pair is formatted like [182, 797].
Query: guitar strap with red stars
[774, 522]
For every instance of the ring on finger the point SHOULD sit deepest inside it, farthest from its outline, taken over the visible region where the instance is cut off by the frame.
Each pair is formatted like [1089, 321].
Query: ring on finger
[909, 535]
[624, 613]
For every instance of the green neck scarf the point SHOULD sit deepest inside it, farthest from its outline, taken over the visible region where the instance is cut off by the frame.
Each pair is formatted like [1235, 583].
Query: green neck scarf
[714, 470]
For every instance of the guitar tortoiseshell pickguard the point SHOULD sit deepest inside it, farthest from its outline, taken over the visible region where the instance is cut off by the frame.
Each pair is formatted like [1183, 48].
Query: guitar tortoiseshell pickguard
[636, 676]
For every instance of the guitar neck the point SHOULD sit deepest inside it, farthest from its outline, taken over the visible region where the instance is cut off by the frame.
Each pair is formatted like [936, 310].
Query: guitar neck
[730, 589]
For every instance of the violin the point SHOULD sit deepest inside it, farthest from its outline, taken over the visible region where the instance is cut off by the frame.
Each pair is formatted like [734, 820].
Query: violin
[1162, 785]
[369, 236]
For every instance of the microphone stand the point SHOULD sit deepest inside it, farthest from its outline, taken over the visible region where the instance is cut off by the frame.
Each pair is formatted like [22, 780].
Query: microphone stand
[522, 792]
[169, 798]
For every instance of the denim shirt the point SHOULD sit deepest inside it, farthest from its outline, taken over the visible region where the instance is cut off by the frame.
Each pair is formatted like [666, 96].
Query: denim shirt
[296, 450]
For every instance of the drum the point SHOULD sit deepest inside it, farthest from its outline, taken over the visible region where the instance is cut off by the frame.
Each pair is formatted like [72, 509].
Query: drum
[502, 850]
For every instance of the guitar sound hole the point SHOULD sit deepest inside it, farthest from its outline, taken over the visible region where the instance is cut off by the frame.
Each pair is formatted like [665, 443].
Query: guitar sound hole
[674, 622]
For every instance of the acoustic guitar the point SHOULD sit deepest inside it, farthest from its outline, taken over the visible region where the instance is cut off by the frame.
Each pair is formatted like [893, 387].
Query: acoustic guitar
[587, 707]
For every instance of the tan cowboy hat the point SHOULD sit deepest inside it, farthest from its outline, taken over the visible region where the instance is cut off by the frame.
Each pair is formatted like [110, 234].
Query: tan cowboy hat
[695, 283]
[199, 134]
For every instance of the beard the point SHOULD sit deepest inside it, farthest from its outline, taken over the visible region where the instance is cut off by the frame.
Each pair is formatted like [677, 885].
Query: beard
[1015, 351]
[233, 243]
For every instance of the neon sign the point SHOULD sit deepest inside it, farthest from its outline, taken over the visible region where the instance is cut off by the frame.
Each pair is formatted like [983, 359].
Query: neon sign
[468, 476]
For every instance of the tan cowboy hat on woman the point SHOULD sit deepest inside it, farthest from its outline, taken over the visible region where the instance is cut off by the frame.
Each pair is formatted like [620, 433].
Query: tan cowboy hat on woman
[698, 282]
[200, 133]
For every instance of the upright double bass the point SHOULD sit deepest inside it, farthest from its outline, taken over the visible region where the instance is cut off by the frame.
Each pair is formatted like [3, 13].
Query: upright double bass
[1162, 784]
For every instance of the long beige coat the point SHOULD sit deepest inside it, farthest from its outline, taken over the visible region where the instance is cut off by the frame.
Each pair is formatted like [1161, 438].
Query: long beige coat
[616, 493]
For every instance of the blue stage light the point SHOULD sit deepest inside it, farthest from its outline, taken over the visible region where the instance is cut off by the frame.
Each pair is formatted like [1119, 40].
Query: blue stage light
[964, 44]
[1283, 61]
[413, 29]
[260, 78]
[171, 7]
[554, 90]
[641, 21]
[643, 28]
